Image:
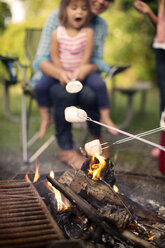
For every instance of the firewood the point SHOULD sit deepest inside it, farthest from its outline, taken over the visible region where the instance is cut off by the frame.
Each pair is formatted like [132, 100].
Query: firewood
[103, 193]
[93, 215]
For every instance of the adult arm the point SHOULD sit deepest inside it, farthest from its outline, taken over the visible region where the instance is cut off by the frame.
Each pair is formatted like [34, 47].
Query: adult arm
[145, 9]
[49, 69]
[88, 50]
[100, 28]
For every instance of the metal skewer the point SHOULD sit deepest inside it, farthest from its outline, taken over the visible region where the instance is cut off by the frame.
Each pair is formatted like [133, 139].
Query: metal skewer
[126, 133]
[139, 135]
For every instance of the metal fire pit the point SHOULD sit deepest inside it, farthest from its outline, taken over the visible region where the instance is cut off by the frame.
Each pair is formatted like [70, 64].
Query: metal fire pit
[146, 190]
[24, 218]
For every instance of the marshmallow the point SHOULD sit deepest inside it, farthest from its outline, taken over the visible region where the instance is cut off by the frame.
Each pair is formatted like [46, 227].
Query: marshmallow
[74, 86]
[73, 114]
[93, 147]
[162, 120]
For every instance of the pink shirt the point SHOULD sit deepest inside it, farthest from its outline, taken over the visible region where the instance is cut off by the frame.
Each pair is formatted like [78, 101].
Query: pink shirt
[71, 49]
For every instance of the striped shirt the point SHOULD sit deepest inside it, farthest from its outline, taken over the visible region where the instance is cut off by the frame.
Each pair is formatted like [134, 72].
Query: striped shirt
[71, 49]
[99, 26]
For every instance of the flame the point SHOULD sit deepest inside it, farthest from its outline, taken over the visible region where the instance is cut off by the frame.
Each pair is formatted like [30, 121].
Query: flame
[27, 178]
[115, 188]
[60, 204]
[95, 169]
[151, 238]
[37, 175]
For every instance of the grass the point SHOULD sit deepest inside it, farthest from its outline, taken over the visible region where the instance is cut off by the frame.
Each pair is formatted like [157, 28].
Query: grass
[10, 135]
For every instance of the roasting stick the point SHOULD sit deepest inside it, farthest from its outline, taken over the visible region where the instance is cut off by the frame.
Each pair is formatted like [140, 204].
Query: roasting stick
[121, 141]
[139, 135]
[125, 133]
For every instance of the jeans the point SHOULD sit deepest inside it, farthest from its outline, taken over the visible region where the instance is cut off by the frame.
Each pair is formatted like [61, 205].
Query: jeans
[41, 90]
[94, 81]
[91, 98]
[85, 99]
[160, 69]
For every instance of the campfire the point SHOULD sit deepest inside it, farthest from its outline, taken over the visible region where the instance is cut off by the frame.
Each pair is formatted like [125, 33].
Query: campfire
[86, 205]
[98, 212]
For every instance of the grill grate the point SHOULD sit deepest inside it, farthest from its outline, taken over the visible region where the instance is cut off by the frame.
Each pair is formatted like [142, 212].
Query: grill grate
[24, 218]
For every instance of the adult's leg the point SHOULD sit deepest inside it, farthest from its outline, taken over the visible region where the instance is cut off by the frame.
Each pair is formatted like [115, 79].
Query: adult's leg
[97, 84]
[95, 81]
[89, 102]
[62, 99]
[160, 69]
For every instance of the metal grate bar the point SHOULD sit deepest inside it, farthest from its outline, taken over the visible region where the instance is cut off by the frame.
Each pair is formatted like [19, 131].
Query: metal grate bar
[24, 218]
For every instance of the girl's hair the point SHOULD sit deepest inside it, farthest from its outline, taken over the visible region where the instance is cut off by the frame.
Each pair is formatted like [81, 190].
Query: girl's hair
[63, 14]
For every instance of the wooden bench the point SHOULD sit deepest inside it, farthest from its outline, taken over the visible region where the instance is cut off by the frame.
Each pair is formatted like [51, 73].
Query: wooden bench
[139, 87]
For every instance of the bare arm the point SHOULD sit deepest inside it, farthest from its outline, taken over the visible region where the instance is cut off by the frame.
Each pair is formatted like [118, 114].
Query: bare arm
[88, 48]
[145, 9]
[54, 50]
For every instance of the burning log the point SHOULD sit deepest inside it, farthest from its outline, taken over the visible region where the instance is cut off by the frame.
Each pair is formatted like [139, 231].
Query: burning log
[110, 215]
[95, 217]
[102, 194]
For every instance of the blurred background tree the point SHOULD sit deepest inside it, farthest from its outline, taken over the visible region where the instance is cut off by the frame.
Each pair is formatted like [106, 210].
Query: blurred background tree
[129, 41]
[5, 15]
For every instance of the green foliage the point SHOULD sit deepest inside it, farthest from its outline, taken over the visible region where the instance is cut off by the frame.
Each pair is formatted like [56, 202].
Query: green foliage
[130, 42]
[126, 4]
[5, 14]
[12, 40]
[130, 36]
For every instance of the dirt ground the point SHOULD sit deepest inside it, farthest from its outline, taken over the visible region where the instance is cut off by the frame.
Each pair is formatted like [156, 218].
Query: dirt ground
[138, 161]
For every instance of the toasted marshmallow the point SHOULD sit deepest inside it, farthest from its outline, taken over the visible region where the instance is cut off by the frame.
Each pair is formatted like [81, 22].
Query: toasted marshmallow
[74, 87]
[73, 114]
[93, 147]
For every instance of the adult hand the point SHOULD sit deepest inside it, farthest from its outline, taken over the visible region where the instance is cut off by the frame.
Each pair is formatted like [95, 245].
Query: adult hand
[65, 77]
[142, 7]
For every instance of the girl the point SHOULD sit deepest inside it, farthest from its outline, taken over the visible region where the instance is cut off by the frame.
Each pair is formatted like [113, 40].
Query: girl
[66, 54]
[71, 48]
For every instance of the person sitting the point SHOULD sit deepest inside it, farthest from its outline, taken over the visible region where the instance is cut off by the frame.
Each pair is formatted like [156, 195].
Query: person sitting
[71, 48]
[86, 98]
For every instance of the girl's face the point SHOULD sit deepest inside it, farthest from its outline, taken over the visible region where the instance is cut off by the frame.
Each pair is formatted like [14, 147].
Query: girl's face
[77, 12]
[99, 6]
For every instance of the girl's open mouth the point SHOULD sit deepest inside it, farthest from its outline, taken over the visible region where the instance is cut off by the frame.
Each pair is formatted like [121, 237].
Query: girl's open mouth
[78, 19]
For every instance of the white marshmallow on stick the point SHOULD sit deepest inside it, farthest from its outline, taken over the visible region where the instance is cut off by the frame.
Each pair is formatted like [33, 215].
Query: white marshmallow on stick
[73, 114]
[93, 147]
[74, 86]
[162, 120]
